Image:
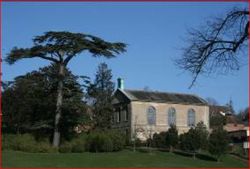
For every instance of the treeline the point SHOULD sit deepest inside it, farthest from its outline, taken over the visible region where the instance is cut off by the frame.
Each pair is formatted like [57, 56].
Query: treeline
[196, 140]
[29, 103]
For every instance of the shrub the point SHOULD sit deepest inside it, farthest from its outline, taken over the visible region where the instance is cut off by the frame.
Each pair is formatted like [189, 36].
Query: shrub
[26, 143]
[172, 137]
[189, 141]
[78, 148]
[99, 142]
[117, 139]
[78, 144]
[8, 141]
[45, 147]
[202, 132]
[159, 140]
[106, 144]
[218, 142]
[140, 143]
[65, 148]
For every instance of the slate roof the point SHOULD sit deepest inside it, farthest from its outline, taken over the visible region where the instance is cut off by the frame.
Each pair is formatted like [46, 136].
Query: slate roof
[163, 97]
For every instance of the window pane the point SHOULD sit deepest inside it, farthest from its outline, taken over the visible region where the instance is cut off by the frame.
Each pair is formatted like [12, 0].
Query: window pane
[118, 115]
[126, 113]
[191, 117]
[151, 113]
[171, 116]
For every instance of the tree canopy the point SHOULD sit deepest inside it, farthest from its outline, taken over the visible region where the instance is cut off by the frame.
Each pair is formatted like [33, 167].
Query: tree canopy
[218, 142]
[59, 48]
[101, 94]
[28, 104]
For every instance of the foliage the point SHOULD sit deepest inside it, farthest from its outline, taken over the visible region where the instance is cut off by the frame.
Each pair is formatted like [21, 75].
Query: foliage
[159, 140]
[217, 121]
[63, 46]
[195, 139]
[215, 47]
[78, 148]
[105, 141]
[59, 48]
[202, 135]
[139, 143]
[75, 145]
[230, 106]
[243, 115]
[66, 147]
[117, 138]
[172, 137]
[100, 92]
[190, 141]
[218, 142]
[99, 142]
[26, 143]
[28, 104]
[78, 144]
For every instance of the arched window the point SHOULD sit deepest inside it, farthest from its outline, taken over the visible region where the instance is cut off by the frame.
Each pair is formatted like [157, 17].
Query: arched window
[191, 118]
[151, 113]
[171, 116]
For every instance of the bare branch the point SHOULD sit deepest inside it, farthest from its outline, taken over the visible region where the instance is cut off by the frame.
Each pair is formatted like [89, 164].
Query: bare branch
[215, 47]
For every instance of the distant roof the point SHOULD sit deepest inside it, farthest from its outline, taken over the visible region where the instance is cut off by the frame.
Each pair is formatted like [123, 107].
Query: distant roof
[163, 97]
[217, 110]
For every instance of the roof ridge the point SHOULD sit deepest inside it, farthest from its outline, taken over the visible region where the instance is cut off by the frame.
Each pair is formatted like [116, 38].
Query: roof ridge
[140, 90]
[158, 96]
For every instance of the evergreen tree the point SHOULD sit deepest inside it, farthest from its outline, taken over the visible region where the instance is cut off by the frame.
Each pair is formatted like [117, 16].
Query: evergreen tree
[101, 92]
[218, 142]
[59, 48]
[190, 141]
[172, 137]
[202, 135]
[230, 106]
[28, 104]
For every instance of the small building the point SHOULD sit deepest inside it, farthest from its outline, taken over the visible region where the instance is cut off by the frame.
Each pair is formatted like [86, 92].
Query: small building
[238, 132]
[142, 113]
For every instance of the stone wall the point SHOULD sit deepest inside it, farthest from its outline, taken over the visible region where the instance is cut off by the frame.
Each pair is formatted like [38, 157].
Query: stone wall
[139, 122]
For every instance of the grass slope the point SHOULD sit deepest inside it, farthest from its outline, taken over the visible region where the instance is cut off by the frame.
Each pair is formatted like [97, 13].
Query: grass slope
[118, 159]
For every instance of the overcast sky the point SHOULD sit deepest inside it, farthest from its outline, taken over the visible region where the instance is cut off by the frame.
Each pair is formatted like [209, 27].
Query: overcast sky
[154, 33]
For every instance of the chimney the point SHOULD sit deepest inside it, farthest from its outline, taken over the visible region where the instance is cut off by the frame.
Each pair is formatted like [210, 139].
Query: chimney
[120, 83]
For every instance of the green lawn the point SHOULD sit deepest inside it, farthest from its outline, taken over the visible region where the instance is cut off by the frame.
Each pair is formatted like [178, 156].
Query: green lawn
[125, 158]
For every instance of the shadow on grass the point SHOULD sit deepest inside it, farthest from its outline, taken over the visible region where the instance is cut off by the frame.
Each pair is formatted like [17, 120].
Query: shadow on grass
[183, 153]
[205, 157]
[198, 156]
[145, 149]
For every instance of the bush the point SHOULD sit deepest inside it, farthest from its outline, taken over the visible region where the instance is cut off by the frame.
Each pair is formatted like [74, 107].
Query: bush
[65, 148]
[45, 147]
[8, 141]
[26, 143]
[139, 143]
[99, 142]
[78, 148]
[106, 144]
[172, 137]
[218, 142]
[78, 144]
[117, 139]
[159, 140]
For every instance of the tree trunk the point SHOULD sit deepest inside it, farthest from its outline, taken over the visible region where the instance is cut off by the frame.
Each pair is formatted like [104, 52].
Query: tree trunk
[61, 73]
